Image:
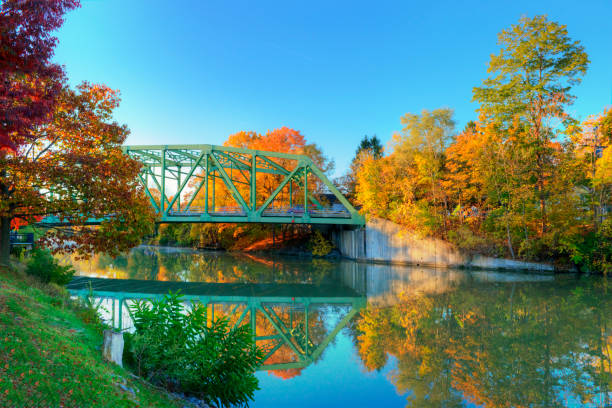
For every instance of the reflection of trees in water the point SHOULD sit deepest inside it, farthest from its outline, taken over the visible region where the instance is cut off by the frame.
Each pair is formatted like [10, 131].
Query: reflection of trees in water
[150, 263]
[496, 346]
[142, 265]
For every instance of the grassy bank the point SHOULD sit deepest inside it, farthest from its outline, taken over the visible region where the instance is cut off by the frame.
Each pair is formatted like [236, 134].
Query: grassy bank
[50, 353]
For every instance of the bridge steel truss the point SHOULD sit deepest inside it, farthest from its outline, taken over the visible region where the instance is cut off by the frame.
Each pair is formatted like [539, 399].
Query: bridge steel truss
[180, 173]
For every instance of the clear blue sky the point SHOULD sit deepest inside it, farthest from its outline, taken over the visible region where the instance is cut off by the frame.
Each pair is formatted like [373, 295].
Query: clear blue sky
[197, 71]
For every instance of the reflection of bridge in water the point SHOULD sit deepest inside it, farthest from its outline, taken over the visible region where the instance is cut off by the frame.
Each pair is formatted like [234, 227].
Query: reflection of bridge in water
[290, 321]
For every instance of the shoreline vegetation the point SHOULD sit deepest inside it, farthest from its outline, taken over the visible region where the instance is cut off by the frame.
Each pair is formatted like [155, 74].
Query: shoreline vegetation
[301, 241]
[50, 352]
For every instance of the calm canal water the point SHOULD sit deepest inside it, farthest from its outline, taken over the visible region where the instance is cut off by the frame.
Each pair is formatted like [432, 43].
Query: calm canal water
[340, 333]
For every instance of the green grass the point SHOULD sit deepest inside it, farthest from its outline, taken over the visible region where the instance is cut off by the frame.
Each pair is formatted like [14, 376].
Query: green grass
[50, 353]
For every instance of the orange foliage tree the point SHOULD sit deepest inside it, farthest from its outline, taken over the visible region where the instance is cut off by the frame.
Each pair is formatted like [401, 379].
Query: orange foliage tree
[73, 168]
[284, 140]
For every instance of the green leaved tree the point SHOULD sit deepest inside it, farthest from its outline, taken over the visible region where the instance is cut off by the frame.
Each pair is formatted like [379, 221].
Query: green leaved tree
[530, 83]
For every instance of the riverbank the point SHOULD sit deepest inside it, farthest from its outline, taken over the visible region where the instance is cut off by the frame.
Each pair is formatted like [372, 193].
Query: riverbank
[383, 241]
[50, 353]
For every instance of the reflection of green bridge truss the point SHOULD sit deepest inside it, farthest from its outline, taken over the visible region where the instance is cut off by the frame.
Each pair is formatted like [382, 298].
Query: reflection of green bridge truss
[193, 171]
[250, 303]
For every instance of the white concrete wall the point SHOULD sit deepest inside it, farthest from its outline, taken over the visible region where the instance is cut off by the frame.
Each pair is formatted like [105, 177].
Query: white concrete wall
[386, 241]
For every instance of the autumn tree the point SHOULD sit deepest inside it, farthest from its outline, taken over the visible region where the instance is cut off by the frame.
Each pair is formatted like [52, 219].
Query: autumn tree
[422, 143]
[530, 81]
[590, 245]
[73, 169]
[283, 140]
[405, 186]
[29, 83]
[463, 179]
[369, 147]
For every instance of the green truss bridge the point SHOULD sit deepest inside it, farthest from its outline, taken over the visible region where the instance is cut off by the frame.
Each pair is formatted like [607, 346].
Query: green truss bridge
[205, 183]
[186, 182]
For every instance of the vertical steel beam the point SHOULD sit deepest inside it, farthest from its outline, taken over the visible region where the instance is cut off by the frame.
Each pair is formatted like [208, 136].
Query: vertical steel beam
[253, 320]
[163, 182]
[306, 192]
[120, 322]
[206, 185]
[213, 190]
[254, 182]
[178, 189]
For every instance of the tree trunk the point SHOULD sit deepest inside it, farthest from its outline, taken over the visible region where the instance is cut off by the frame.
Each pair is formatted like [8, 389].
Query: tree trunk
[5, 244]
[509, 239]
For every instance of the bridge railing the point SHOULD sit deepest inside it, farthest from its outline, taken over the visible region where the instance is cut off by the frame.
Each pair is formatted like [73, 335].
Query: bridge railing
[296, 212]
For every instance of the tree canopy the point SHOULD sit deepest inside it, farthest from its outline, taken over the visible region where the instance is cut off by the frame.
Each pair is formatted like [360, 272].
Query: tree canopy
[73, 169]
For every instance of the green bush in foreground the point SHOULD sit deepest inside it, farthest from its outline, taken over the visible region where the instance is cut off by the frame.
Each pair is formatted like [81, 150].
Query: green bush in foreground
[47, 269]
[175, 348]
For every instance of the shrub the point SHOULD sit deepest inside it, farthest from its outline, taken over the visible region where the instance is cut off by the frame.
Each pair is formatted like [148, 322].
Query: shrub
[318, 245]
[465, 239]
[47, 269]
[175, 348]
[591, 251]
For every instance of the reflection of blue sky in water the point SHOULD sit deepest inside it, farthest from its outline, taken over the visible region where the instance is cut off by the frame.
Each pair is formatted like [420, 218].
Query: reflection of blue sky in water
[339, 380]
[505, 319]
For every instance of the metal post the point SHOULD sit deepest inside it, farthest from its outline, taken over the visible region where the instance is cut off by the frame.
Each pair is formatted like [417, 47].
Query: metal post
[291, 194]
[305, 191]
[113, 314]
[163, 183]
[120, 314]
[254, 182]
[213, 192]
[253, 320]
[178, 192]
[206, 186]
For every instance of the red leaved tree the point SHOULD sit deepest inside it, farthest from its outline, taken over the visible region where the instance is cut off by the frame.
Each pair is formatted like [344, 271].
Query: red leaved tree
[29, 82]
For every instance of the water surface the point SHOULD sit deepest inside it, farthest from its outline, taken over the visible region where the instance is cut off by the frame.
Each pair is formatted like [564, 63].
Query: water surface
[340, 333]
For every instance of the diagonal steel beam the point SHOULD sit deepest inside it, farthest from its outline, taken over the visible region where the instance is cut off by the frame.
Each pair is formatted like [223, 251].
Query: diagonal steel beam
[282, 334]
[229, 184]
[288, 178]
[148, 193]
[180, 189]
[154, 177]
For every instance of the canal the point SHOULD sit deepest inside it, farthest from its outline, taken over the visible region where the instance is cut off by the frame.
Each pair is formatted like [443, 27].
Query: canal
[341, 333]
